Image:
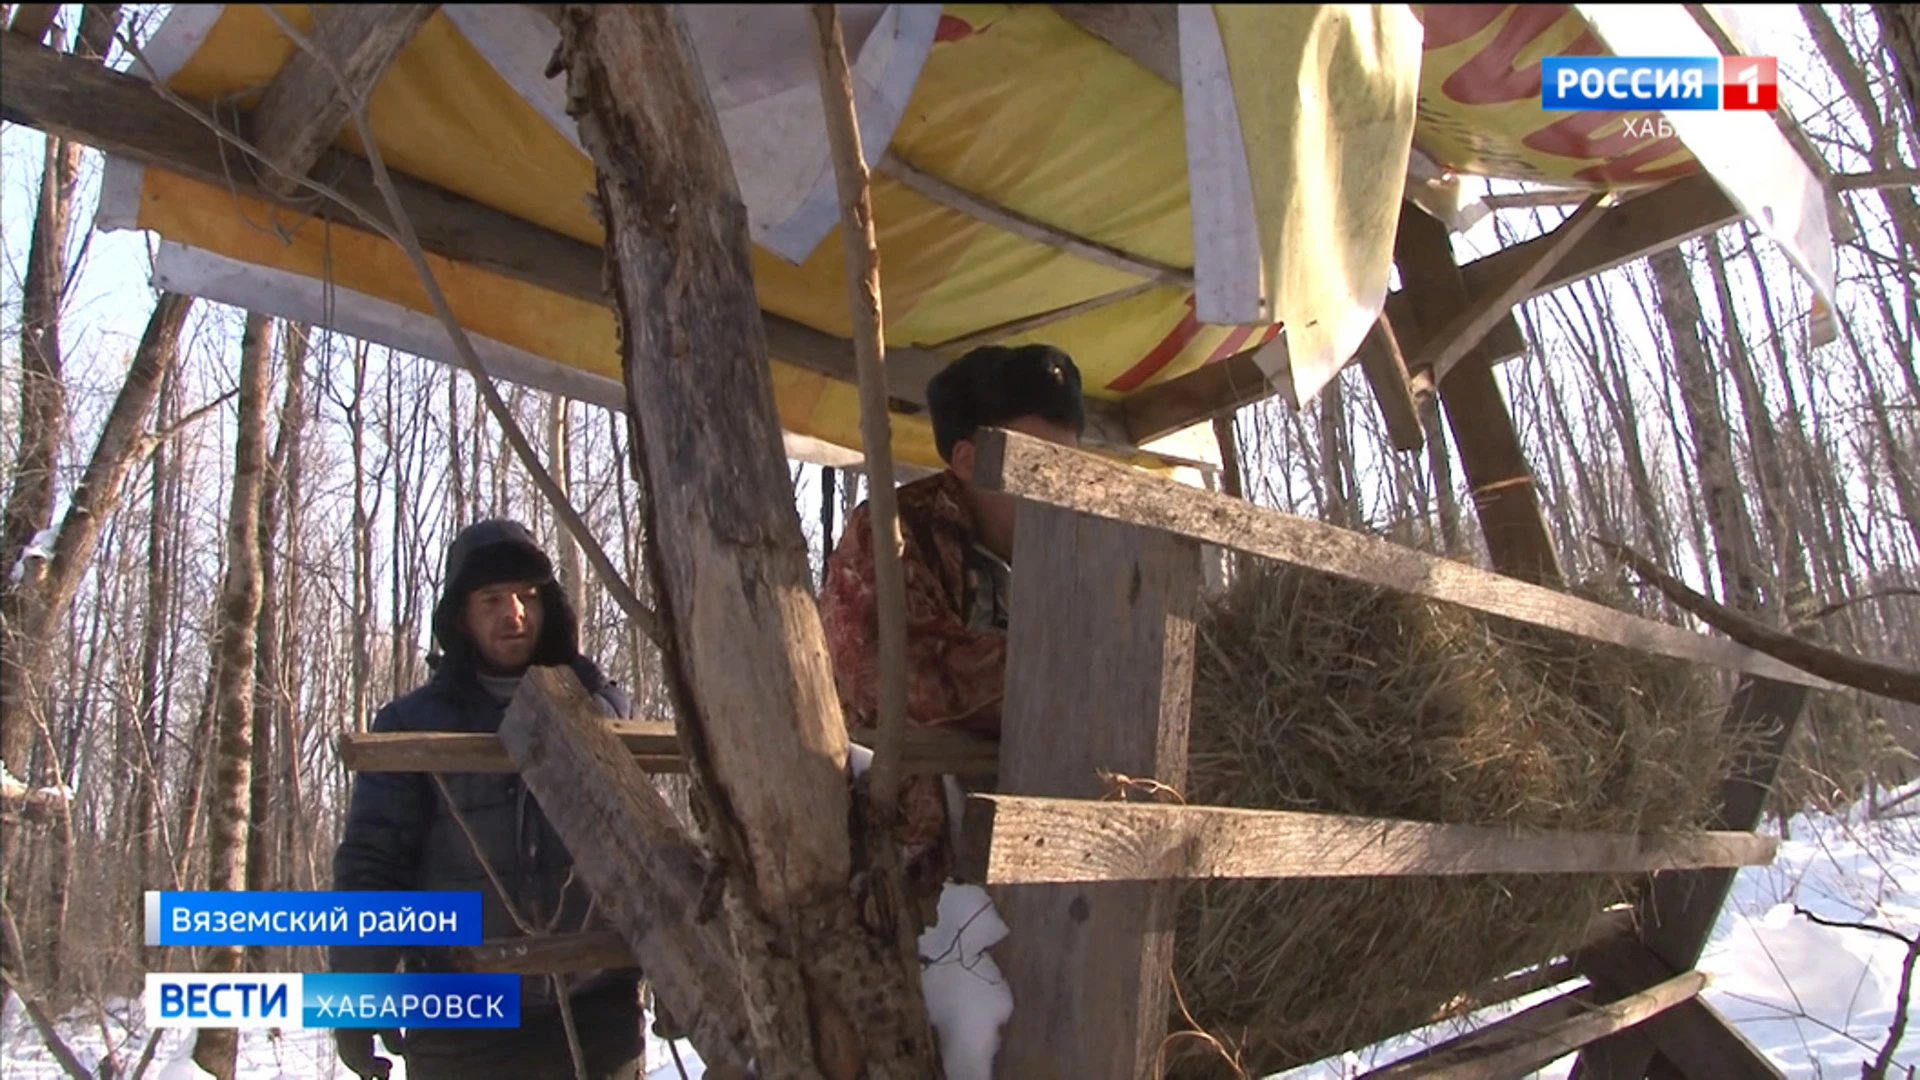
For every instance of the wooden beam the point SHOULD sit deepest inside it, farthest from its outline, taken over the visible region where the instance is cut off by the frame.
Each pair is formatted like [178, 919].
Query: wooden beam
[1386, 371]
[655, 747]
[1020, 840]
[1041, 472]
[1214, 390]
[1490, 453]
[311, 98]
[32, 21]
[829, 991]
[1101, 630]
[123, 115]
[1510, 1048]
[1001, 217]
[1663, 217]
[1451, 343]
[1148, 34]
[548, 954]
[647, 875]
[1694, 1039]
[1677, 912]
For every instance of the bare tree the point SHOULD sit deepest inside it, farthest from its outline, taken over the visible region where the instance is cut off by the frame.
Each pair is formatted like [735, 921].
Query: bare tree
[215, 1048]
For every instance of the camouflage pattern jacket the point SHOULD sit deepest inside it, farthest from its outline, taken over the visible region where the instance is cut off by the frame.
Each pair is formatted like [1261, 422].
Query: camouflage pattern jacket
[956, 643]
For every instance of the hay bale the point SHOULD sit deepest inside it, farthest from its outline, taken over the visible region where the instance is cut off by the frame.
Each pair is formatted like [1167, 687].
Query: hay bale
[1314, 693]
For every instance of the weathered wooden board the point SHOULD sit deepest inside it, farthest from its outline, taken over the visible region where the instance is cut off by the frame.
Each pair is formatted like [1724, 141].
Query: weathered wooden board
[1677, 912]
[1022, 840]
[1054, 475]
[1454, 339]
[1693, 1039]
[308, 102]
[1512, 1047]
[655, 748]
[647, 875]
[1099, 676]
[552, 954]
[1498, 475]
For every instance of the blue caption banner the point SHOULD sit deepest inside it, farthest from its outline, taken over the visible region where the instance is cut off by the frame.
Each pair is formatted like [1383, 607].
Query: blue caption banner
[409, 1001]
[1629, 83]
[313, 918]
[425, 1000]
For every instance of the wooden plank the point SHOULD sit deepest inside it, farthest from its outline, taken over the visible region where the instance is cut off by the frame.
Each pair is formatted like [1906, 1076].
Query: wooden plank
[1002, 217]
[123, 115]
[1637, 227]
[1058, 476]
[655, 748]
[1694, 1039]
[1025, 840]
[1102, 629]
[647, 875]
[1677, 912]
[1659, 219]
[32, 21]
[828, 986]
[308, 102]
[1511, 1048]
[1148, 34]
[1451, 343]
[1386, 371]
[1502, 485]
[1213, 390]
[549, 954]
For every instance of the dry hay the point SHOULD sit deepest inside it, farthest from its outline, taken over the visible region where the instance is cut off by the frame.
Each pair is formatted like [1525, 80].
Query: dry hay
[1314, 693]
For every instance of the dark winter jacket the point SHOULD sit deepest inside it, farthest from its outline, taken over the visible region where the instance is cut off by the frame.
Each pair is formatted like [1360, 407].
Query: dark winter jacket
[399, 834]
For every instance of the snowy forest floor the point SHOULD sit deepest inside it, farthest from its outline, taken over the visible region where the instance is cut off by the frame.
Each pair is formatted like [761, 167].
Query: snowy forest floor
[1819, 1000]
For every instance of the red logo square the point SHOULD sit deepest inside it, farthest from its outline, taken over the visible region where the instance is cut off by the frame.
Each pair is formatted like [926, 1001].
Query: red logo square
[1750, 82]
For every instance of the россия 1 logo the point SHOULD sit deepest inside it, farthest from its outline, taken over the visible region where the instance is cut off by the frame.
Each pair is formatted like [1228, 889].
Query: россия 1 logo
[1663, 83]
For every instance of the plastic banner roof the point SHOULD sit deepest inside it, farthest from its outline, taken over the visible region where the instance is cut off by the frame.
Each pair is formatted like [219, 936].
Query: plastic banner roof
[1274, 169]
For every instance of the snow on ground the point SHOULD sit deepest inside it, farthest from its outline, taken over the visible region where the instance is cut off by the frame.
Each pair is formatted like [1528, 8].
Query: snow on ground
[1818, 1000]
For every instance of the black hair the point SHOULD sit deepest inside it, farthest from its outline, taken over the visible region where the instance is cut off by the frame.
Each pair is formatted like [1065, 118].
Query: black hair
[997, 383]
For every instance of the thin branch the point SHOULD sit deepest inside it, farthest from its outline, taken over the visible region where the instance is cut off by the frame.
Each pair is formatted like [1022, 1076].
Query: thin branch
[1867, 927]
[876, 436]
[31, 1003]
[403, 235]
[1841, 605]
[1897, 1029]
[1887, 680]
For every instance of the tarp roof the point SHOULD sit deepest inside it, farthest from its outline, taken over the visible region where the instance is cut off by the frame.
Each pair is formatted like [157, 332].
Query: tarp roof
[1264, 194]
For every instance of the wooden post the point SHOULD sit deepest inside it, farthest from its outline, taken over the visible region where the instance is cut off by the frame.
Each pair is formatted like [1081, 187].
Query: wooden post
[1677, 911]
[1099, 677]
[1503, 492]
[827, 991]
[646, 874]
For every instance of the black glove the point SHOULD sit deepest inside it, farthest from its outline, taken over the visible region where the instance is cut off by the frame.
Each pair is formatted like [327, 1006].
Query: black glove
[355, 1047]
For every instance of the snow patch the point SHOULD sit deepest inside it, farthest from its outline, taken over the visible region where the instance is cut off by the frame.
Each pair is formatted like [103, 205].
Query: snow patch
[967, 999]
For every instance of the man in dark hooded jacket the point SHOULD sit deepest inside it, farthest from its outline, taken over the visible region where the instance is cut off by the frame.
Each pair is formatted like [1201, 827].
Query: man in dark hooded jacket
[500, 612]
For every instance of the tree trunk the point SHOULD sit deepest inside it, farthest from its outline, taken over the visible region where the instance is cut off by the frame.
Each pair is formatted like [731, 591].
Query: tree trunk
[43, 427]
[826, 991]
[239, 608]
[1794, 590]
[560, 464]
[1726, 510]
[269, 692]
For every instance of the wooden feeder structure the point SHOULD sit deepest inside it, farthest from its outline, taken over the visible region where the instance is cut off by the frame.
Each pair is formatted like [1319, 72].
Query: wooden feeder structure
[1206, 205]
